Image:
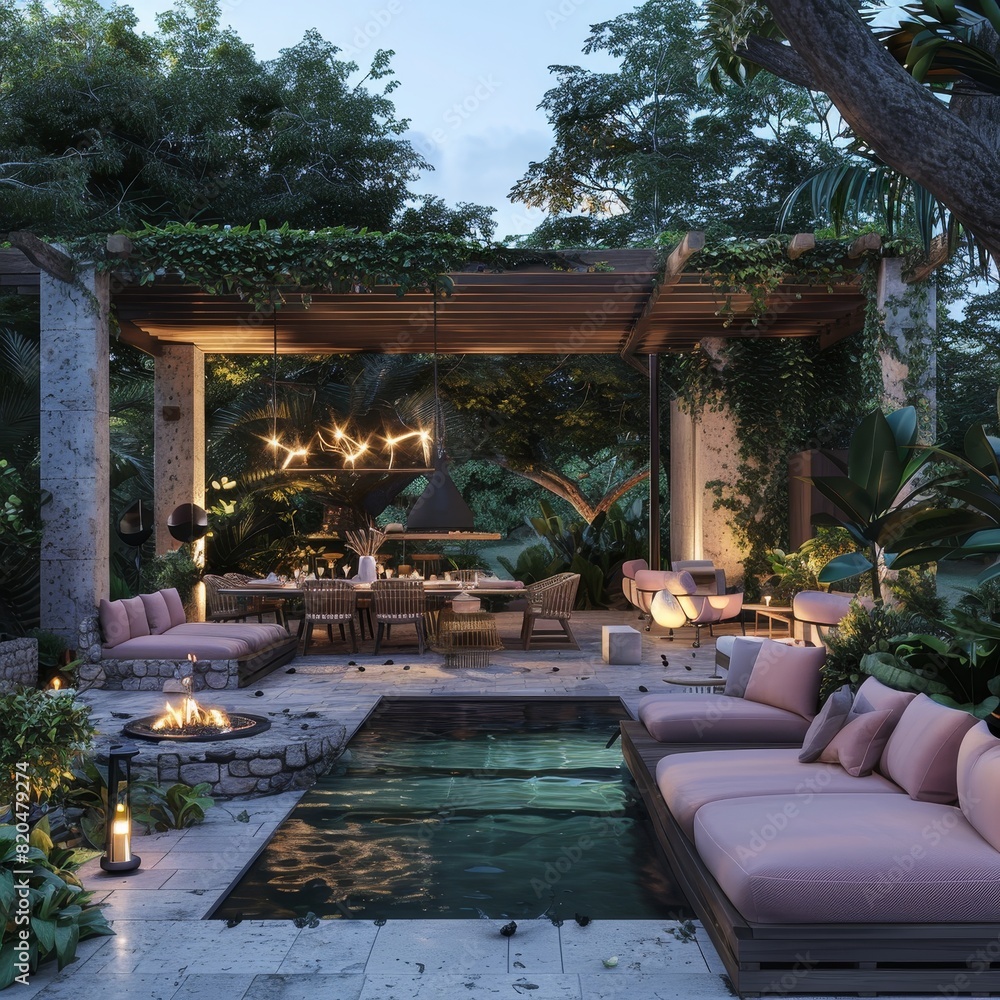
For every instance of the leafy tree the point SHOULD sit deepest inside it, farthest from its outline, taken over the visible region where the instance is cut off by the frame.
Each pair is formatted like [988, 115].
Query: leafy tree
[647, 142]
[103, 127]
[921, 97]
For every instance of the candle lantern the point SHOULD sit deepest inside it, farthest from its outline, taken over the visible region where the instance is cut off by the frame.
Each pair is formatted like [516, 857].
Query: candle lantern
[118, 856]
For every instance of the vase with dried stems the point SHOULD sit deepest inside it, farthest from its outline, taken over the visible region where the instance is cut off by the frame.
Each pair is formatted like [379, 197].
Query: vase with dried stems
[365, 543]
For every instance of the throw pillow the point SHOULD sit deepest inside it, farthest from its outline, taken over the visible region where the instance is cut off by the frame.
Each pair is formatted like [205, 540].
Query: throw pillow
[741, 661]
[859, 744]
[978, 775]
[114, 622]
[157, 615]
[175, 606]
[831, 719]
[922, 753]
[137, 623]
[787, 677]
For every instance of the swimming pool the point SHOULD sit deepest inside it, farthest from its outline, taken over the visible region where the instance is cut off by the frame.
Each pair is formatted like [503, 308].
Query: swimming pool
[473, 808]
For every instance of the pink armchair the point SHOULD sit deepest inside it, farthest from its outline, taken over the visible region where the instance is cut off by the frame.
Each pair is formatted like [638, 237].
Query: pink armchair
[671, 600]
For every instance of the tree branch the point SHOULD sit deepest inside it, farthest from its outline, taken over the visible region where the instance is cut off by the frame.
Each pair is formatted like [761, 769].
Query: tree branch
[904, 123]
[781, 60]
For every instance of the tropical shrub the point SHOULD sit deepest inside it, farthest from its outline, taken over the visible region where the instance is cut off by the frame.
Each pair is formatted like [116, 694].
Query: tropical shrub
[172, 569]
[52, 908]
[173, 808]
[862, 631]
[594, 550]
[799, 570]
[46, 730]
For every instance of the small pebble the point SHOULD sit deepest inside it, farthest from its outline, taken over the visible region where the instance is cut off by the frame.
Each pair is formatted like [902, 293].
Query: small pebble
[258, 694]
[361, 669]
[290, 670]
[407, 667]
[642, 687]
[555, 670]
[582, 919]
[352, 663]
[508, 929]
[388, 663]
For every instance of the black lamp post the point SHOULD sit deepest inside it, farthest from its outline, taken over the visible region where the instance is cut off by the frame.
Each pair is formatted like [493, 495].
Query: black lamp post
[118, 856]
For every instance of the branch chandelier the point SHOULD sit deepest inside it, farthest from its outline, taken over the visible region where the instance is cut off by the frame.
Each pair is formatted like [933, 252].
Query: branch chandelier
[353, 448]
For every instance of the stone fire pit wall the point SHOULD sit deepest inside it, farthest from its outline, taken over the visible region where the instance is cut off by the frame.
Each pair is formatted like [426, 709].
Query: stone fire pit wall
[293, 753]
[18, 664]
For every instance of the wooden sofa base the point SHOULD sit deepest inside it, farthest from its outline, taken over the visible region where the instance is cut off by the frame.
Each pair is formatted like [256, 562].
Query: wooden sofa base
[867, 959]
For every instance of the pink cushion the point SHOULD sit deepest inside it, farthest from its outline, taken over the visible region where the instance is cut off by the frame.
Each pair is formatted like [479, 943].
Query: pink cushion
[875, 694]
[859, 745]
[114, 622]
[168, 647]
[849, 858]
[978, 780]
[820, 608]
[831, 719]
[688, 781]
[136, 611]
[922, 753]
[157, 614]
[632, 566]
[175, 606]
[713, 718]
[787, 677]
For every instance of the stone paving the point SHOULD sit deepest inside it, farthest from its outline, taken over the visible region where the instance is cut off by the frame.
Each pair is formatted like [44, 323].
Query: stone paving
[164, 950]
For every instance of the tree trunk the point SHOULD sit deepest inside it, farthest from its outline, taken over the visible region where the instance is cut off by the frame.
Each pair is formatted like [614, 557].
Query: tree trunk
[904, 123]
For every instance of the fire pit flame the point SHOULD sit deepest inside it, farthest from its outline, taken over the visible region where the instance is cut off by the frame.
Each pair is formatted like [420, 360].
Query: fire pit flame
[191, 715]
[192, 722]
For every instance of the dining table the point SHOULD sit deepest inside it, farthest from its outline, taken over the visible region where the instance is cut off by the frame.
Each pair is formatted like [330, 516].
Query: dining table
[437, 592]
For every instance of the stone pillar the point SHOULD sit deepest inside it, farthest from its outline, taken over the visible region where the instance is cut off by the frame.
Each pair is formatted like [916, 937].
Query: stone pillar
[75, 458]
[702, 450]
[909, 368]
[178, 435]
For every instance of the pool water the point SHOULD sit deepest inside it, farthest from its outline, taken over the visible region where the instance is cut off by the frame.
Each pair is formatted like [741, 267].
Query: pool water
[479, 808]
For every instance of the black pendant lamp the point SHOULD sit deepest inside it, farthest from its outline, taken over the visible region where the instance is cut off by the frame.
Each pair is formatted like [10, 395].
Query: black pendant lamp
[440, 508]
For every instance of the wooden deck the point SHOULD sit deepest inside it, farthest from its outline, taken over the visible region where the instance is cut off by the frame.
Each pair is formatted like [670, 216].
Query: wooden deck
[800, 959]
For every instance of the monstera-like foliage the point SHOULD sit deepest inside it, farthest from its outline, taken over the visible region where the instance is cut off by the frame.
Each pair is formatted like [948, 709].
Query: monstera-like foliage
[887, 503]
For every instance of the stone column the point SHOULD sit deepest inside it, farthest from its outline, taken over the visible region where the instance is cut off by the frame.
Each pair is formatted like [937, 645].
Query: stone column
[75, 459]
[178, 435]
[702, 450]
[909, 368]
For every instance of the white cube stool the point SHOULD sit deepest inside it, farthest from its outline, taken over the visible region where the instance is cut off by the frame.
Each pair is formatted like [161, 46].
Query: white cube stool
[621, 644]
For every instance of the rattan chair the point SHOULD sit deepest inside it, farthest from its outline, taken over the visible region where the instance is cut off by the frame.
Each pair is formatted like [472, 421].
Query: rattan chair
[225, 607]
[259, 606]
[550, 600]
[399, 602]
[329, 603]
[467, 575]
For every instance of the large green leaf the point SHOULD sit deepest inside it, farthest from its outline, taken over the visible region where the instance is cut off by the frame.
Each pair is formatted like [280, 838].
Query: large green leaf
[982, 541]
[843, 567]
[851, 498]
[982, 450]
[903, 424]
[873, 458]
[885, 667]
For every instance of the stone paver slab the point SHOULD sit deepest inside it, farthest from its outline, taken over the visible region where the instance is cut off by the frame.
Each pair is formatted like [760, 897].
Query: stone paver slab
[408, 947]
[335, 946]
[640, 945]
[472, 986]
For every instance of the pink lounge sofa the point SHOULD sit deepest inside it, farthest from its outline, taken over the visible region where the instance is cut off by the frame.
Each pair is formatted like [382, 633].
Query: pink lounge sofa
[880, 861]
[770, 698]
[147, 639]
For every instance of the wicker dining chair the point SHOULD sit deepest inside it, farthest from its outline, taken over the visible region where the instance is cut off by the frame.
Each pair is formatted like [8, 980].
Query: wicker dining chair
[399, 602]
[329, 603]
[550, 600]
[467, 575]
[225, 607]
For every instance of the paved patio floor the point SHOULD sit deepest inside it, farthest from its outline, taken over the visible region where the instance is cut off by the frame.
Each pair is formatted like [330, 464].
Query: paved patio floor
[164, 950]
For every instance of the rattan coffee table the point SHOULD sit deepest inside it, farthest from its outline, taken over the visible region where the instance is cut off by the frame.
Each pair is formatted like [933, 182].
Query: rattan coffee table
[467, 639]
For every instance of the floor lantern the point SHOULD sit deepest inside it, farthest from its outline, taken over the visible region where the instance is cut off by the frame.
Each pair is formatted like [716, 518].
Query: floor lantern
[118, 856]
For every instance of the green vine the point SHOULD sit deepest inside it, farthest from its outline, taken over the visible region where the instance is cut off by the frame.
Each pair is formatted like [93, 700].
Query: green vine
[785, 396]
[258, 264]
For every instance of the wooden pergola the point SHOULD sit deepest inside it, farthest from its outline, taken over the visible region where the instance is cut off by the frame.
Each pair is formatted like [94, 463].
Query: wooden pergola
[609, 302]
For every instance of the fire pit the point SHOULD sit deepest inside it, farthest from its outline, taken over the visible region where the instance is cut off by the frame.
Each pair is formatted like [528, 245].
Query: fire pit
[192, 722]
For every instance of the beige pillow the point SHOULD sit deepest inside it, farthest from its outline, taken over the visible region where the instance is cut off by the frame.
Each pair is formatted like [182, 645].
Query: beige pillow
[787, 677]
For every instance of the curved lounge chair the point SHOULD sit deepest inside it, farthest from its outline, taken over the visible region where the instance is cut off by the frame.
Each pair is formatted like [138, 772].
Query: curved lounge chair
[671, 600]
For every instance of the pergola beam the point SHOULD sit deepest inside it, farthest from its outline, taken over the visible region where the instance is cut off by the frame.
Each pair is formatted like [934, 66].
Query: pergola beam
[676, 262]
[799, 244]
